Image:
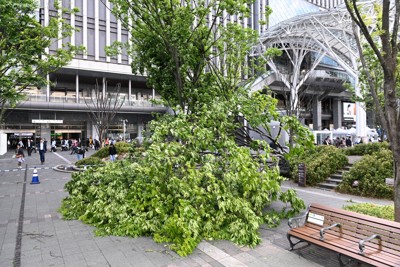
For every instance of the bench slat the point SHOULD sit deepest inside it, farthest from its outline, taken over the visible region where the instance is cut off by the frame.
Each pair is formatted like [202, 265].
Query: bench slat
[369, 247]
[355, 227]
[351, 250]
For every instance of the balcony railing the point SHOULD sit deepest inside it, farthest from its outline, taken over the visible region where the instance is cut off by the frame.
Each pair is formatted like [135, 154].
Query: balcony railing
[83, 100]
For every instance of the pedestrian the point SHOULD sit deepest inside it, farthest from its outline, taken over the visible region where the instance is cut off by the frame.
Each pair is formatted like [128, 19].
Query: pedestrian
[19, 155]
[96, 144]
[112, 151]
[20, 143]
[42, 150]
[29, 147]
[53, 146]
[80, 152]
[348, 142]
[45, 143]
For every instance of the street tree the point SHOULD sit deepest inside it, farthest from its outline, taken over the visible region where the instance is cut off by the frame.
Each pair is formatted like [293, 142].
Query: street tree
[103, 106]
[191, 180]
[25, 59]
[377, 36]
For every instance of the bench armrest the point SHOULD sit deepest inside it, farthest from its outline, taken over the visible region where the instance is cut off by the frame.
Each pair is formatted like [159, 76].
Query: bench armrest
[298, 221]
[362, 246]
[322, 231]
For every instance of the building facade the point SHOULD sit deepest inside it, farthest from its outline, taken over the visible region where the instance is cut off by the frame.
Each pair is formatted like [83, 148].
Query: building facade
[59, 110]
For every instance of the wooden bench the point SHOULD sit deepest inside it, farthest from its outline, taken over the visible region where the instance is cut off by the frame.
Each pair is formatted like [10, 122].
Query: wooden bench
[359, 237]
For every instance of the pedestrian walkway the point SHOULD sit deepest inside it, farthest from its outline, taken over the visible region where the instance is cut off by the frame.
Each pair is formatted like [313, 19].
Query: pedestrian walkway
[32, 232]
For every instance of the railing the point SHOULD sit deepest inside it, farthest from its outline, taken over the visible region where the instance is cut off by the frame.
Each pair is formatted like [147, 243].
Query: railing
[83, 100]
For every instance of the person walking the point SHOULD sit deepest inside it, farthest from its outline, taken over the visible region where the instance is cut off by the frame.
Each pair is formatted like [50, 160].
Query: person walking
[96, 144]
[112, 151]
[29, 146]
[42, 150]
[19, 155]
[53, 146]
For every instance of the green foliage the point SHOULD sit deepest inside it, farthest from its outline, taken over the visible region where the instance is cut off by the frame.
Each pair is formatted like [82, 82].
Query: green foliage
[320, 163]
[190, 180]
[122, 147]
[89, 161]
[365, 149]
[384, 212]
[370, 173]
[23, 42]
[197, 185]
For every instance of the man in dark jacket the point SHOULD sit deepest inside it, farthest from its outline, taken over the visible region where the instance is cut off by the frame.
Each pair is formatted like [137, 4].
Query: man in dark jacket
[42, 150]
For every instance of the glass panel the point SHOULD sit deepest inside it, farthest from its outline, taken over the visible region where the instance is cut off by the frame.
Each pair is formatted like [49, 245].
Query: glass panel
[286, 9]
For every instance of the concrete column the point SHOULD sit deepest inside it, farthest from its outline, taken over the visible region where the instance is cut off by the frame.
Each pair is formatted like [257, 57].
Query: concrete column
[108, 27]
[96, 30]
[48, 88]
[140, 130]
[317, 114]
[84, 27]
[104, 87]
[337, 113]
[45, 133]
[73, 23]
[77, 88]
[130, 91]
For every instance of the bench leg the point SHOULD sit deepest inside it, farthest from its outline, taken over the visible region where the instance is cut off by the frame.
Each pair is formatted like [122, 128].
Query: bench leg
[293, 244]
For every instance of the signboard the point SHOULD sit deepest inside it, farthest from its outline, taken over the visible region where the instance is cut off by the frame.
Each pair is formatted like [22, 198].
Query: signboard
[315, 218]
[349, 111]
[301, 169]
[48, 121]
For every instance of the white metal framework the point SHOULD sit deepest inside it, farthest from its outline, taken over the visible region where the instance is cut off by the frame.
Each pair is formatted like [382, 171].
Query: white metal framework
[327, 33]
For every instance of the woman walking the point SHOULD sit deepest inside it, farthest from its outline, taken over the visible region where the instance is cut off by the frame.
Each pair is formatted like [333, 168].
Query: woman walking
[19, 155]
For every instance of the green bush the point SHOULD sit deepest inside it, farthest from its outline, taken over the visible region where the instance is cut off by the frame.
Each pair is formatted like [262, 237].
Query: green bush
[122, 147]
[89, 161]
[367, 176]
[384, 212]
[365, 149]
[201, 186]
[320, 163]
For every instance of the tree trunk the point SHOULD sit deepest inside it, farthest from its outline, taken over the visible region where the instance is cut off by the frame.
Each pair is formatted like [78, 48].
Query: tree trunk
[397, 191]
[396, 163]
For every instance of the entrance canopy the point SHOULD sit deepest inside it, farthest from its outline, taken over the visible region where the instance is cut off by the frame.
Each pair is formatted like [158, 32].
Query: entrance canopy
[329, 34]
[328, 31]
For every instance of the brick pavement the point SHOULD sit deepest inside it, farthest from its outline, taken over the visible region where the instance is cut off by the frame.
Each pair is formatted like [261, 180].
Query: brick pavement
[32, 232]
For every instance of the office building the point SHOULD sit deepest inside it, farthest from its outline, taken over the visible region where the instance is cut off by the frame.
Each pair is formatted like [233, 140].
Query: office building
[59, 110]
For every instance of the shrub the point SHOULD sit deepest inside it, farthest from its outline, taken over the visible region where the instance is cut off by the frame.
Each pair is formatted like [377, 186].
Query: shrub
[197, 185]
[369, 174]
[89, 161]
[365, 149]
[122, 147]
[320, 163]
[384, 212]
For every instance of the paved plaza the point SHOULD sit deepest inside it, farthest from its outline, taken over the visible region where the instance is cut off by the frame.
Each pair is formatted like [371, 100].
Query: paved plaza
[32, 232]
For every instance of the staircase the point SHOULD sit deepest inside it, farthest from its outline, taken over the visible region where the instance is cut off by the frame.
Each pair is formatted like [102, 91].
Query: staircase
[335, 179]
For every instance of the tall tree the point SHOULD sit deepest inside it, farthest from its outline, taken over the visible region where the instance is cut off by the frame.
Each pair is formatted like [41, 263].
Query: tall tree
[24, 44]
[192, 181]
[378, 47]
[103, 106]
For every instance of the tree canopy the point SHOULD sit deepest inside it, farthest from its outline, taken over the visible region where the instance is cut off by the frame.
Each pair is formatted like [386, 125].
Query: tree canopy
[24, 44]
[377, 35]
[191, 180]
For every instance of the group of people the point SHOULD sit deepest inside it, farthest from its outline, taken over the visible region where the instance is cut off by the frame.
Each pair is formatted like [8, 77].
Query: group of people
[76, 148]
[19, 152]
[339, 142]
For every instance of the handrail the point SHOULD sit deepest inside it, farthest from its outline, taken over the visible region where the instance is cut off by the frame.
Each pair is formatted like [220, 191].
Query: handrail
[362, 246]
[322, 231]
